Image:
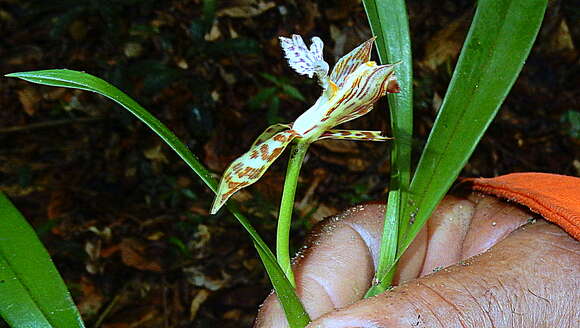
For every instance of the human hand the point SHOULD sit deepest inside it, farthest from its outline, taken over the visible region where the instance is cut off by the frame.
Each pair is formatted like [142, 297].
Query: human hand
[529, 278]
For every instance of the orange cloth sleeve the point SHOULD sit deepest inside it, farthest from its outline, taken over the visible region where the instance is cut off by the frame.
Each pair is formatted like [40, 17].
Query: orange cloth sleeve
[555, 197]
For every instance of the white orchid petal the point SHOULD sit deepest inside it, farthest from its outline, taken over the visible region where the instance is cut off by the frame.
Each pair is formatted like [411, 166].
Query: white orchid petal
[303, 60]
[316, 48]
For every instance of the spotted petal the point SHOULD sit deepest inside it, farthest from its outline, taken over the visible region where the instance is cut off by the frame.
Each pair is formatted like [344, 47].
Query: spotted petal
[354, 135]
[250, 167]
[351, 61]
[303, 60]
[269, 132]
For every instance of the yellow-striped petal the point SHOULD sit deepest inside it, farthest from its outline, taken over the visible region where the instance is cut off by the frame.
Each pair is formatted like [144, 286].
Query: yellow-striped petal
[351, 61]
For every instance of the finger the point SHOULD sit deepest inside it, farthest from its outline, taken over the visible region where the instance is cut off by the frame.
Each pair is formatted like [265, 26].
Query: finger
[337, 267]
[439, 243]
[446, 230]
[528, 280]
[493, 220]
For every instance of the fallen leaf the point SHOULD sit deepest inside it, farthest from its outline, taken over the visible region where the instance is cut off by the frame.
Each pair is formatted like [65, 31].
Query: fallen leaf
[234, 314]
[214, 33]
[155, 154]
[90, 300]
[200, 279]
[133, 255]
[246, 9]
[562, 41]
[29, 98]
[446, 43]
[342, 9]
[197, 301]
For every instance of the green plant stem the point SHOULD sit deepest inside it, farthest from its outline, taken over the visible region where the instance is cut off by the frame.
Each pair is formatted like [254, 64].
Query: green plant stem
[386, 267]
[496, 47]
[286, 206]
[389, 23]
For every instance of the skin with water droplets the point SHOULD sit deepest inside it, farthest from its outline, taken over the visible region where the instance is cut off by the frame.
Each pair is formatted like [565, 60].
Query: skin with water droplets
[458, 230]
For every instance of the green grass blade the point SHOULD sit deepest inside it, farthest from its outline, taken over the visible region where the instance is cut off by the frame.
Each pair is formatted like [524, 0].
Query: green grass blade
[32, 292]
[80, 80]
[297, 316]
[497, 45]
[389, 23]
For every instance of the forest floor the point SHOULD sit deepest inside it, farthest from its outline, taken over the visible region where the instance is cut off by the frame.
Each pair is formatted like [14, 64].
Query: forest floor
[127, 222]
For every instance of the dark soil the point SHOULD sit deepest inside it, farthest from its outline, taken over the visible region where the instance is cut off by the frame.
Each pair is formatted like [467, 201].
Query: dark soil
[127, 222]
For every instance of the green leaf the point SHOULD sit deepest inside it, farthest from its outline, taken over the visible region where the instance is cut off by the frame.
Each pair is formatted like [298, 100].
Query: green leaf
[292, 92]
[285, 86]
[208, 13]
[33, 293]
[389, 23]
[497, 45]
[80, 80]
[294, 309]
[262, 98]
[274, 79]
[272, 115]
[572, 118]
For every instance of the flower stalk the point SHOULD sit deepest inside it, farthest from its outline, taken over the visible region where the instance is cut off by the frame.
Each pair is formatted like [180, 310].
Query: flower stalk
[286, 208]
[348, 92]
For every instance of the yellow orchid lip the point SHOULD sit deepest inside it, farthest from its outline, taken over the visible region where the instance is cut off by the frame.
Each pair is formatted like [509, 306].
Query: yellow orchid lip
[349, 92]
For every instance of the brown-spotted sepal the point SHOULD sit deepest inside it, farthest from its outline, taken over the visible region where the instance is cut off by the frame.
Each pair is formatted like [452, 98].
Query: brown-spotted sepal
[250, 167]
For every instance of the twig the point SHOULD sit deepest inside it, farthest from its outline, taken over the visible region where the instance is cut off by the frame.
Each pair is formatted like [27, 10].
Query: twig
[107, 310]
[50, 124]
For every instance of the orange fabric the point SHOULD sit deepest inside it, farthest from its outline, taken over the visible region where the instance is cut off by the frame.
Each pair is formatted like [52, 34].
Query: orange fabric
[555, 197]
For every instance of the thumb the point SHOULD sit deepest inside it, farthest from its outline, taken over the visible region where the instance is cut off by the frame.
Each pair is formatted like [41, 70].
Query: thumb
[528, 280]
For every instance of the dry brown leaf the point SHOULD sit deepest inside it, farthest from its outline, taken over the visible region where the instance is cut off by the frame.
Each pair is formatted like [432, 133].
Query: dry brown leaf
[339, 146]
[133, 255]
[246, 9]
[197, 301]
[90, 300]
[234, 314]
[199, 278]
[562, 40]
[342, 9]
[155, 154]
[93, 250]
[214, 33]
[446, 43]
[29, 98]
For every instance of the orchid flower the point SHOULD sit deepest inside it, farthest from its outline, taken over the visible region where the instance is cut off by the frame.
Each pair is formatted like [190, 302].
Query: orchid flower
[350, 91]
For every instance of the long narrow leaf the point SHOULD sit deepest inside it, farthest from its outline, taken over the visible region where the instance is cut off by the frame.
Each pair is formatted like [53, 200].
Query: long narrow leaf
[389, 23]
[80, 80]
[497, 45]
[296, 314]
[32, 292]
